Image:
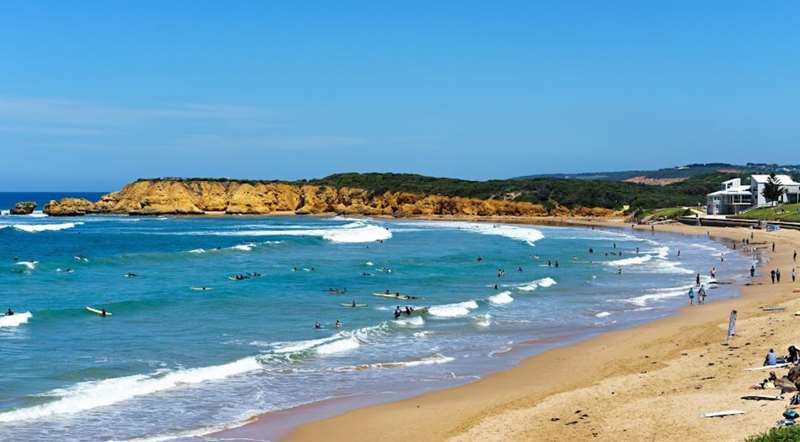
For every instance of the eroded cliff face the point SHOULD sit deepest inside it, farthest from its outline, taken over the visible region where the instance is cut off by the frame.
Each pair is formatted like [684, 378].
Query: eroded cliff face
[197, 197]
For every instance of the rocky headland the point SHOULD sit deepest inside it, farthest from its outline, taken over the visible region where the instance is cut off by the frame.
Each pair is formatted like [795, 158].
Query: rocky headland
[212, 196]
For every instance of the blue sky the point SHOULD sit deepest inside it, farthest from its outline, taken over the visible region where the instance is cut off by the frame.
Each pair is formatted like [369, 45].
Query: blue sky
[96, 94]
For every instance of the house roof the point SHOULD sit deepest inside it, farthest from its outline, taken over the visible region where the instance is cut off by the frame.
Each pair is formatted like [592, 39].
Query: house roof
[785, 180]
[739, 190]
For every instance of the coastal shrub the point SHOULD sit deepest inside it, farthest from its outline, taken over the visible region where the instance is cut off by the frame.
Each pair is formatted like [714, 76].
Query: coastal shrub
[783, 434]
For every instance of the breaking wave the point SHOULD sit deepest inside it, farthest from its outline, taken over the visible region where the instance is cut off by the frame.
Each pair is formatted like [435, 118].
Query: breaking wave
[452, 310]
[15, 320]
[501, 298]
[34, 228]
[93, 394]
[526, 234]
[533, 285]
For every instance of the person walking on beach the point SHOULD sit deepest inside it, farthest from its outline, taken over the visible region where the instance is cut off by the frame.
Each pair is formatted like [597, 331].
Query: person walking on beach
[794, 276]
[713, 273]
[794, 256]
[691, 296]
[773, 247]
[772, 275]
[752, 271]
[697, 279]
[701, 295]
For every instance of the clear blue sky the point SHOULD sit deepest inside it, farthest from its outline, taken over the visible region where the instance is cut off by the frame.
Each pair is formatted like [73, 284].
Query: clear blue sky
[95, 94]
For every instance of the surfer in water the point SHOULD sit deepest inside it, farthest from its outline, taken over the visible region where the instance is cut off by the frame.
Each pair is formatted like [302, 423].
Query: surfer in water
[397, 312]
[317, 325]
[131, 275]
[354, 303]
[338, 324]
[9, 312]
[103, 312]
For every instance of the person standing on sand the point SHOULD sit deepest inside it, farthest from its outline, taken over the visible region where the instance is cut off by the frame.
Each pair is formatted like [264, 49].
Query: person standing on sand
[752, 271]
[778, 275]
[794, 256]
[794, 276]
[772, 275]
[732, 325]
[691, 296]
[701, 295]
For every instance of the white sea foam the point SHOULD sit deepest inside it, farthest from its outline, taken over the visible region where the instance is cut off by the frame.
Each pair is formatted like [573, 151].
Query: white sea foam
[602, 314]
[197, 251]
[15, 320]
[357, 232]
[655, 295]
[414, 321]
[93, 394]
[519, 233]
[533, 285]
[484, 320]
[501, 298]
[338, 346]
[432, 360]
[452, 310]
[30, 265]
[244, 247]
[634, 260]
[34, 228]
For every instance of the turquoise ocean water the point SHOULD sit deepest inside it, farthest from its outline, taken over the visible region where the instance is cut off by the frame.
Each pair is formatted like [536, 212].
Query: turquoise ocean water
[174, 361]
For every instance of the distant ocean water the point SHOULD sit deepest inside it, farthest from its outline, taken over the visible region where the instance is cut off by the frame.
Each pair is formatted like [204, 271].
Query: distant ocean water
[174, 360]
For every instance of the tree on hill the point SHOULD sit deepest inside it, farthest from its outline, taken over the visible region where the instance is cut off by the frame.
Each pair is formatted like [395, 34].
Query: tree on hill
[772, 189]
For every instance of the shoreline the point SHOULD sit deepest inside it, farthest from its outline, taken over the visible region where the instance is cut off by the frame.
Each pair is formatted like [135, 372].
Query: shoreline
[468, 411]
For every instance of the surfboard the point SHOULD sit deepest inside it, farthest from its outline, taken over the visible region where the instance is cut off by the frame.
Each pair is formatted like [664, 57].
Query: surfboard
[724, 413]
[351, 305]
[391, 296]
[202, 289]
[97, 311]
[768, 367]
[762, 397]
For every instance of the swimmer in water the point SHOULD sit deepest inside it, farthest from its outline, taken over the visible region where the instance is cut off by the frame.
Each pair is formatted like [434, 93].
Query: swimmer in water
[338, 324]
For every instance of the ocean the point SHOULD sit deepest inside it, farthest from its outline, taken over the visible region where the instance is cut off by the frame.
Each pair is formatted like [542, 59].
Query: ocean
[189, 348]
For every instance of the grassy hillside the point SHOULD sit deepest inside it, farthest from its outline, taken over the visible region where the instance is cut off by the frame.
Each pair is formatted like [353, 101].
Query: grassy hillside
[783, 212]
[566, 192]
[681, 172]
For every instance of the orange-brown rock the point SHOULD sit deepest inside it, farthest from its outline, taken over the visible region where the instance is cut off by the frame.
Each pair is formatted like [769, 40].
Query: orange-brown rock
[199, 196]
[69, 207]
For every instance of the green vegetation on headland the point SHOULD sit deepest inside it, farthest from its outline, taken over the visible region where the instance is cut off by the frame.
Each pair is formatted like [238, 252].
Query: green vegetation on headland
[784, 434]
[783, 212]
[547, 191]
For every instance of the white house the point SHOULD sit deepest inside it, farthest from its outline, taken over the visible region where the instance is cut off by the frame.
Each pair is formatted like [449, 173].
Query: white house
[734, 197]
[791, 189]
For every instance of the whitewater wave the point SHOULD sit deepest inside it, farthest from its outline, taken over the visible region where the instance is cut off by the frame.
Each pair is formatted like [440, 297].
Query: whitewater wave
[527, 234]
[15, 320]
[357, 232]
[484, 320]
[602, 314]
[452, 310]
[197, 251]
[432, 360]
[30, 265]
[533, 285]
[415, 321]
[635, 260]
[35, 228]
[655, 295]
[338, 346]
[93, 394]
[501, 298]
[243, 247]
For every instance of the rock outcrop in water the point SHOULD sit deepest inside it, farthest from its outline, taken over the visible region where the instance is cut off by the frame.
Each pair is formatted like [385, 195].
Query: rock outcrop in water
[69, 207]
[23, 208]
[200, 196]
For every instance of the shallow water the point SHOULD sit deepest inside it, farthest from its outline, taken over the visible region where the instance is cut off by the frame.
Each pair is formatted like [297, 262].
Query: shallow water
[175, 361]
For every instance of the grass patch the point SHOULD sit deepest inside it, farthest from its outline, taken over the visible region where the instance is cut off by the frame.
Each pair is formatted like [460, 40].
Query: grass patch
[783, 212]
[784, 434]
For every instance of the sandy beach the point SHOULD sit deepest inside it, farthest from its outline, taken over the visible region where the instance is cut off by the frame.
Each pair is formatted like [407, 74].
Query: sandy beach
[652, 382]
